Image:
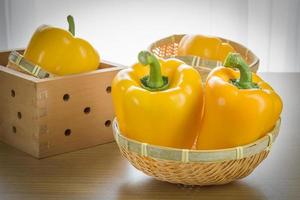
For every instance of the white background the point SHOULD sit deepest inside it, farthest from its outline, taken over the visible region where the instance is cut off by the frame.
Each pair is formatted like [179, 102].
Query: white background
[120, 29]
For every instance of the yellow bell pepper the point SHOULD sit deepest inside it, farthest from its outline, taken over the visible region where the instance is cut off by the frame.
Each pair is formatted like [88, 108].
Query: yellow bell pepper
[156, 109]
[59, 52]
[211, 48]
[239, 106]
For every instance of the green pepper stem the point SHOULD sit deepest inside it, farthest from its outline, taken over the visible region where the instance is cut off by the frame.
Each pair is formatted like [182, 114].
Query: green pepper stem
[71, 24]
[235, 60]
[155, 81]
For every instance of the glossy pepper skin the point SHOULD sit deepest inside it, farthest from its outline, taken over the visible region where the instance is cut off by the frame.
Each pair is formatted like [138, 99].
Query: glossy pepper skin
[59, 52]
[156, 109]
[211, 48]
[239, 106]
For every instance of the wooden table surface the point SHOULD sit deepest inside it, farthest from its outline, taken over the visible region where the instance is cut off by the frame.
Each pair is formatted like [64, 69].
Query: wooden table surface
[101, 173]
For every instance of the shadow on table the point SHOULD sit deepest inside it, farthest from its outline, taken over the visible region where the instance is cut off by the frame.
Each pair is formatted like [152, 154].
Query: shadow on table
[154, 189]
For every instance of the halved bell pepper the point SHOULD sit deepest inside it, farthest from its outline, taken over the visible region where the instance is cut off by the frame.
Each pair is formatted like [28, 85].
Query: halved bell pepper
[239, 106]
[211, 48]
[155, 109]
[59, 52]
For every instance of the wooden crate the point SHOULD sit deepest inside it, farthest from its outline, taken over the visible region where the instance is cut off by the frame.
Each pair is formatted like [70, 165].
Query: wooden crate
[45, 117]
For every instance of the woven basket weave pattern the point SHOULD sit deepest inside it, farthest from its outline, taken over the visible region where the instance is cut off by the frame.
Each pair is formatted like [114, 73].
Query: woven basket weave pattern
[195, 173]
[195, 167]
[167, 48]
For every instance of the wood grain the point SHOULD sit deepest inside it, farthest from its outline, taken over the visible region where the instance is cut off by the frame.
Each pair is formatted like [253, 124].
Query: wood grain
[101, 173]
[50, 124]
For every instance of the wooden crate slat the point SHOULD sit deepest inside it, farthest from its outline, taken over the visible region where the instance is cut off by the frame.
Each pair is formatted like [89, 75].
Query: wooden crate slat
[41, 131]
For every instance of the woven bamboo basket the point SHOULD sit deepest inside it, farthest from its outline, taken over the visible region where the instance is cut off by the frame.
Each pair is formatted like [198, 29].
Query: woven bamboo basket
[167, 48]
[195, 167]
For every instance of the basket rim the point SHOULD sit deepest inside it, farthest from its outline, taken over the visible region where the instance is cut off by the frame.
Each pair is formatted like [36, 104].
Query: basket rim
[172, 38]
[25, 65]
[191, 155]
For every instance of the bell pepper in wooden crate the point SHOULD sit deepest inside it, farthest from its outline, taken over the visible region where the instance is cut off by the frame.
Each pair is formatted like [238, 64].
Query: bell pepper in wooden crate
[56, 114]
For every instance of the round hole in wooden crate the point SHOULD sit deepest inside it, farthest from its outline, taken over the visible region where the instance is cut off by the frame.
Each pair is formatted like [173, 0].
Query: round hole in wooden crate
[107, 123]
[68, 132]
[87, 110]
[19, 115]
[14, 129]
[66, 97]
[108, 89]
[12, 93]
